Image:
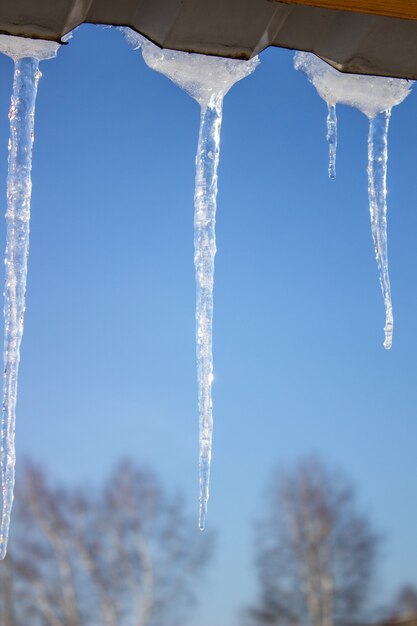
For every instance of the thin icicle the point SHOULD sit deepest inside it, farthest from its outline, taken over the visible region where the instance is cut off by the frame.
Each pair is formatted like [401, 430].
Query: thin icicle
[207, 161]
[374, 96]
[207, 80]
[332, 138]
[19, 189]
[377, 190]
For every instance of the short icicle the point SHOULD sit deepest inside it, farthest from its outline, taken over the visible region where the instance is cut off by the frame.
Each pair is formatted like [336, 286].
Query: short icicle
[19, 188]
[207, 80]
[332, 138]
[377, 190]
[374, 96]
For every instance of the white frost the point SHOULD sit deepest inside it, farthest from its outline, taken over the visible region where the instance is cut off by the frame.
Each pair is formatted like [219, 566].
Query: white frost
[374, 96]
[26, 53]
[199, 75]
[207, 79]
[21, 47]
[369, 94]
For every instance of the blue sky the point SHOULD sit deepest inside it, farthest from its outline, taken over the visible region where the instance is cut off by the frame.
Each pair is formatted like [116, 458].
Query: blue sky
[108, 356]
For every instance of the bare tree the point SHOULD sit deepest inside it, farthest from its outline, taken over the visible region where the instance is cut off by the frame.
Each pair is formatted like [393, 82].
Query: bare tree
[315, 551]
[123, 556]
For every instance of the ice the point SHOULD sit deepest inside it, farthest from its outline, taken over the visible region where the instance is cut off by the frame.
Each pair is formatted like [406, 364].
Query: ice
[207, 80]
[374, 96]
[369, 94]
[377, 191]
[332, 138]
[26, 54]
[202, 77]
[20, 47]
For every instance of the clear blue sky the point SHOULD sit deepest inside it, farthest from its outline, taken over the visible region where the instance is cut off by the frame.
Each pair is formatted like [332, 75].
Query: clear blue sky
[108, 357]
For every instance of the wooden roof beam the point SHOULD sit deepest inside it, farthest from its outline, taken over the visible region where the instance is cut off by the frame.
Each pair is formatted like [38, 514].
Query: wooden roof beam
[404, 9]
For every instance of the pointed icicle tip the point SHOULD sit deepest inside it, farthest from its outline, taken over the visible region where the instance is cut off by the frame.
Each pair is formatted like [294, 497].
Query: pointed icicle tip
[202, 516]
[388, 335]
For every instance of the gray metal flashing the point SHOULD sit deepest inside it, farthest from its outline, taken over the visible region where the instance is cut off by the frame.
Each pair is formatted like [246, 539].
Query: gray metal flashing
[352, 42]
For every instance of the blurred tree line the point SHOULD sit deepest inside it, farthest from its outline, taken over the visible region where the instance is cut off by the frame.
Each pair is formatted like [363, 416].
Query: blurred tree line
[128, 555]
[125, 555]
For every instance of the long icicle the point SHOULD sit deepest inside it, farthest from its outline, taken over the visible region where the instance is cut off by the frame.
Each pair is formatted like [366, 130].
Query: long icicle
[377, 190]
[19, 188]
[205, 202]
[332, 138]
[207, 80]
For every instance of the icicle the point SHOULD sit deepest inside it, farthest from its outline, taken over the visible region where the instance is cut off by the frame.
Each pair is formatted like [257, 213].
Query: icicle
[207, 161]
[374, 96]
[207, 80]
[332, 138]
[19, 188]
[377, 190]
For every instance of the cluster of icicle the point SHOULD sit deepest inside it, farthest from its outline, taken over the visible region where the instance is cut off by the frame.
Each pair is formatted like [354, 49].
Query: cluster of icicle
[26, 54]
[207, 80]
[374, 96]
